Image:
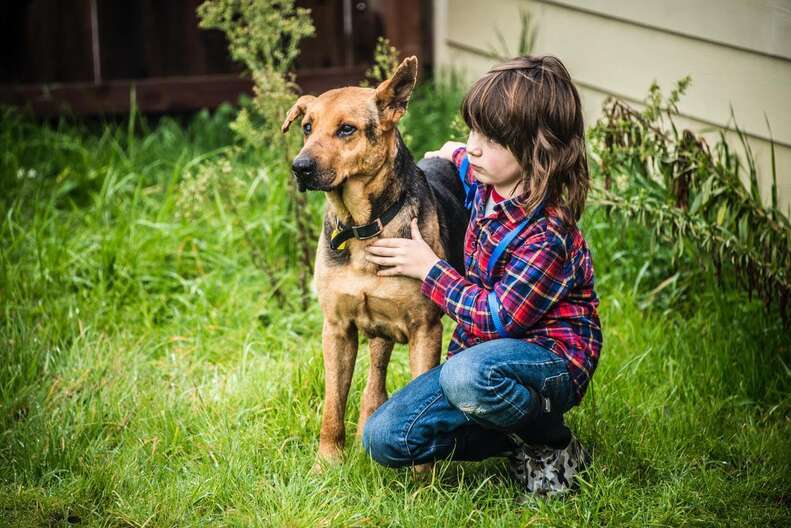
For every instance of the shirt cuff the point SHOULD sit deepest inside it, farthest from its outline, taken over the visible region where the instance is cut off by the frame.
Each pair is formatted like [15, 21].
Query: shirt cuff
[436, 282]
[457, 156]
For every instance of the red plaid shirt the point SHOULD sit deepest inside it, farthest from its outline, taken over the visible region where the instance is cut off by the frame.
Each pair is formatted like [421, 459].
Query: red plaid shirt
[543, 281]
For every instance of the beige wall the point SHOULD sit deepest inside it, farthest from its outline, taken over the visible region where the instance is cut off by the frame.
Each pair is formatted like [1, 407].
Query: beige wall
[738, 53]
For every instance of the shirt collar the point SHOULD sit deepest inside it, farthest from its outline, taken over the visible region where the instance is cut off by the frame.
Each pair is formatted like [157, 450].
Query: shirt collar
[508, 208]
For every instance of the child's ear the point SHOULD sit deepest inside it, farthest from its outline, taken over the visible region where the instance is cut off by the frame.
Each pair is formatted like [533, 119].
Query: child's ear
[393, 94]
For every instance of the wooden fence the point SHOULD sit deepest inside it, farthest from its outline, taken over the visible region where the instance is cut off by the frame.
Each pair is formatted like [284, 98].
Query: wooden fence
[86, 56]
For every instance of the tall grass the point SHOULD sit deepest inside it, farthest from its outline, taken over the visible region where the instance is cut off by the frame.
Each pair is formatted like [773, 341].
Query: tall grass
[150, 377]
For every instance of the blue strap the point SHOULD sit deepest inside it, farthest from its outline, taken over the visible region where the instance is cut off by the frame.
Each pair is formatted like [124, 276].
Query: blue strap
[506, 240]
[498, 251]
[469, 188]
[469, 196]
[491, 299]
[494, 308]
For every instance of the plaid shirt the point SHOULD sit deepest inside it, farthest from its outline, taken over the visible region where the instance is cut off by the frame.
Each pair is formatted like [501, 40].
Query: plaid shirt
[543, 281]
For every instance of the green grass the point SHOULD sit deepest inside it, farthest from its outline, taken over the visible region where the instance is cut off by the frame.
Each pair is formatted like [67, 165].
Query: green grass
[149, 377]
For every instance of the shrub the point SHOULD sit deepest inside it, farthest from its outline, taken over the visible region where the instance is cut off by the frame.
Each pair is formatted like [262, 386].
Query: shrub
[265, 35]
[692, 195]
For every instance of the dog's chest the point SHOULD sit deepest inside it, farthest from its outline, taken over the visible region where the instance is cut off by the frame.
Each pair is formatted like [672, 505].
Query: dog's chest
[388, 307]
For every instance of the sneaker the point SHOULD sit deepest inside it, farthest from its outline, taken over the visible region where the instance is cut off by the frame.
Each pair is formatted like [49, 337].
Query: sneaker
[543, 470]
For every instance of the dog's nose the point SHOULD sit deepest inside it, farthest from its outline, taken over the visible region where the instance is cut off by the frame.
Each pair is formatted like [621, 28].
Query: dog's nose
[304, 167]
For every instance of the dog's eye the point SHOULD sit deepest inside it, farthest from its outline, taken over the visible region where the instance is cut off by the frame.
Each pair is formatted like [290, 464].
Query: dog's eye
[307, 128]
[346, 130]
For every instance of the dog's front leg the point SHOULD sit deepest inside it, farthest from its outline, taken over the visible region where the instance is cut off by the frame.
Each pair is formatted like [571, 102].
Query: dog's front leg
[375, 393]
[340, 351]
[425, 348]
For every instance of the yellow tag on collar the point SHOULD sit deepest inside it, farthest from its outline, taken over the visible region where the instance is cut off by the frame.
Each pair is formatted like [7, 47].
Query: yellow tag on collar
[343, 245]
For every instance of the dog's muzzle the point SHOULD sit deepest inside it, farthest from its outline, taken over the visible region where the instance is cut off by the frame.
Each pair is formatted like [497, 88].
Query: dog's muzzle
[304, 169]
[307, 174]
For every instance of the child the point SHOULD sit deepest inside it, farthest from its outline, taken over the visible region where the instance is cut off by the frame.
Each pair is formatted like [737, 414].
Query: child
[528, 335]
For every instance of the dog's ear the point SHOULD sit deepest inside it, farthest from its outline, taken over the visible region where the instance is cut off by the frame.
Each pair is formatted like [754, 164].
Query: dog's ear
[393, 94]
[297, 110]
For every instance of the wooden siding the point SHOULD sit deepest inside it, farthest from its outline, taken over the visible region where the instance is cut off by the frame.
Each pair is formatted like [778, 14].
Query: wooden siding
[617, 47]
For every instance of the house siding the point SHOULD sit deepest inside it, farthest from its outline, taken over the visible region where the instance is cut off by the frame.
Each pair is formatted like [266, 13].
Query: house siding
[738, 53]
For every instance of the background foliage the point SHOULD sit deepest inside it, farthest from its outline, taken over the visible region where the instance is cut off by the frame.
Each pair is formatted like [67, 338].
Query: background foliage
[693, 198]
[265, 35]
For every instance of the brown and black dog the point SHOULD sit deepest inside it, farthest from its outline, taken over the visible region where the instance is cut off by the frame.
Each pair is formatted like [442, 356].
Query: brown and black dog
[354, 153]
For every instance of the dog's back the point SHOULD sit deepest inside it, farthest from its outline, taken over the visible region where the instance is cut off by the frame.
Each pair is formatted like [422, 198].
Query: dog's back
[443, 179]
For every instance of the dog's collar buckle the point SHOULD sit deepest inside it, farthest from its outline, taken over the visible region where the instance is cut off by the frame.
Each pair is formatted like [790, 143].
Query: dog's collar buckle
[364, 232]
[341, 233]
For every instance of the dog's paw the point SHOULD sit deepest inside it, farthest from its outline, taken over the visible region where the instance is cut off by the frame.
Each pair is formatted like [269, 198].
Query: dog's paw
[318, 467]
[321, 466]
[326, 461]
[428, 467]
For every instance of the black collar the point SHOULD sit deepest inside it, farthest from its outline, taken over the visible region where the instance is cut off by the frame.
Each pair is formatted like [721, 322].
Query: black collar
[362, 232]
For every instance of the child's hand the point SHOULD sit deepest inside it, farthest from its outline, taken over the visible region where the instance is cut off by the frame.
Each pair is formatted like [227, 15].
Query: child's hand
[411, 257]
[446, 151]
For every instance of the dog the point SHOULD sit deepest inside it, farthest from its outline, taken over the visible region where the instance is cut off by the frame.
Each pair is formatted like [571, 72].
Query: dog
[354, 153]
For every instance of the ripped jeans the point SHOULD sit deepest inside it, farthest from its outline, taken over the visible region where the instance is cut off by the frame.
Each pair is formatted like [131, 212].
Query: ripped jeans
[464, 408]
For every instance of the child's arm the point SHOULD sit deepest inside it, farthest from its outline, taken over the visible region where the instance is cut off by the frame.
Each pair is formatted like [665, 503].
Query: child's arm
[446, 151]
[536, 276]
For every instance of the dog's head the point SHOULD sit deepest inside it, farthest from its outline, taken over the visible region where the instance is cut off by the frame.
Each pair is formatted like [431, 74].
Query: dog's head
[348, 131]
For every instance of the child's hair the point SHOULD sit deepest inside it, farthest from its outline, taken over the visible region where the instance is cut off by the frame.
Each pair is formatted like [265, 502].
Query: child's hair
[530, 106]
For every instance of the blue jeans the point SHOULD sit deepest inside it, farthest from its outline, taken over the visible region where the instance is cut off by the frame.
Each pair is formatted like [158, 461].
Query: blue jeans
[464, 408]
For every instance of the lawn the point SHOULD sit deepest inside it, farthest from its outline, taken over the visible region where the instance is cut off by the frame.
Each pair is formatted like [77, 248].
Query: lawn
[151, 376]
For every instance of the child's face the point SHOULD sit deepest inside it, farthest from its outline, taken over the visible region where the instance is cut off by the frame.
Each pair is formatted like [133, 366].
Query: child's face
[493, 163]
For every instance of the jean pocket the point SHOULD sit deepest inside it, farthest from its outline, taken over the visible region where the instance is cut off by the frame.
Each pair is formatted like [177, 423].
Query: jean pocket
[557, 389]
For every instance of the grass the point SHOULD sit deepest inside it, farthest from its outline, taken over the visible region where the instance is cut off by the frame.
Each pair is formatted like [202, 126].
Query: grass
[150, 377]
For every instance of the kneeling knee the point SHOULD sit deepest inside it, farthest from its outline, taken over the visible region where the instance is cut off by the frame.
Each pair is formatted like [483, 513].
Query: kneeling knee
[464, 385]
[381, 442]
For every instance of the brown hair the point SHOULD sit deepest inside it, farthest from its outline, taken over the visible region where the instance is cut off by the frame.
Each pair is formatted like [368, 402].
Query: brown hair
[530, 106]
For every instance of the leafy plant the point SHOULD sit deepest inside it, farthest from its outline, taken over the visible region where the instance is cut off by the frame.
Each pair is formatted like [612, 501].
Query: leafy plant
[527, 38]
[692, 195]
[265, 35]
[386, 59]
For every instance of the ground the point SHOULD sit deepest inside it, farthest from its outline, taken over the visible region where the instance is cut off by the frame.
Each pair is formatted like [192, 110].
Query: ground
[151, 377]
